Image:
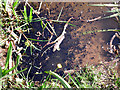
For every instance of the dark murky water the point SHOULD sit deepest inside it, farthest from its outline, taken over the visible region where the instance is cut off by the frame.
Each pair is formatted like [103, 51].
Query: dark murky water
[76, 49]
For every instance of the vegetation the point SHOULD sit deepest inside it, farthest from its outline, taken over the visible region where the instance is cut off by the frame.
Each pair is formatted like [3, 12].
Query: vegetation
[15, 25]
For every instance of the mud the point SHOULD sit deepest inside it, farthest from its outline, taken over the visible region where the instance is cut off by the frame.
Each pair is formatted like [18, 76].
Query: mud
[76, 49]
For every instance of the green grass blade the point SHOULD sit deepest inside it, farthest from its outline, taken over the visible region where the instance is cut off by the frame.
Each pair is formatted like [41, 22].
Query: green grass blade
[60, 13]
[25, 14]
[17, 62]
[12, 74]
[28, 73]
[41, 23]
[64, 22]
[108, 30]
[5, 3]
[37, 40]
[30, 49]
[116, 10]
[44, 84]
[78, 82]
[30, 17]
[20, 27]
[52, 28]
[109, 5]
[73, 80]
[9, 54]
[0, 72]
[65, 84]
[0, 77]
[37, 20]
[44, 26]
[15, 14]
[1, 23]
[35, 47]
[113, 15]
[15, 3]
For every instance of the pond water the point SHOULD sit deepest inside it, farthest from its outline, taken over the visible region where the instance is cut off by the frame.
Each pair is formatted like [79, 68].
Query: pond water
[76, 49]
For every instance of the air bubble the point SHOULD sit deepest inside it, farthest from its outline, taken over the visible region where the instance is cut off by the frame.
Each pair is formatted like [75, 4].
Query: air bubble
[102, 47]
[81, 12]
[112, 58]
[89, 42]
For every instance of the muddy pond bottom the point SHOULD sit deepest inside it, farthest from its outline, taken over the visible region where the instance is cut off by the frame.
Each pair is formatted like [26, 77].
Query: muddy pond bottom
[76, 50]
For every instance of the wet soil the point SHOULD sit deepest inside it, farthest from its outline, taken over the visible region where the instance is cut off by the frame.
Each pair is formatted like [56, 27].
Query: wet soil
[76, 49]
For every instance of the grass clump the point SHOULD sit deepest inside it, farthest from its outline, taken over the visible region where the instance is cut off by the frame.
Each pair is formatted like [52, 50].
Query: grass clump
[100, 76]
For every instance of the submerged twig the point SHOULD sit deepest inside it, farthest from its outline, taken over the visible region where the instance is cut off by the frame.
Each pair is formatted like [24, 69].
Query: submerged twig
[91, 20]
[60, 14]
[111, 41]
[52, 28]
[46, 50]
[39, 6]
[59, 40]
[94, 19]
[61, 37]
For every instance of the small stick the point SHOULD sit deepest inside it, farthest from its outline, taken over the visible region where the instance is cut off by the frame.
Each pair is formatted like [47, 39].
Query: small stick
[60, 13]
[40, 6]
[61, 37]
[91, 20]
[46, 50]
[48, 43]
[111, 41]
[94, 19]
[117, 35]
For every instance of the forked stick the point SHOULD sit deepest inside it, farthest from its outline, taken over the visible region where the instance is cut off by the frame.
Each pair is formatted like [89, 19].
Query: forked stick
[59, 40]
